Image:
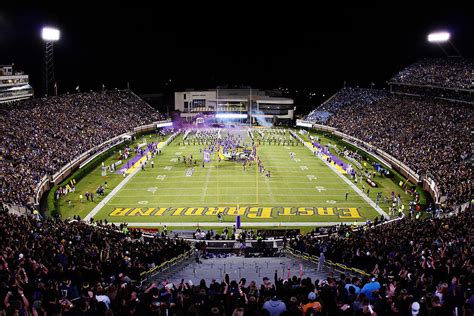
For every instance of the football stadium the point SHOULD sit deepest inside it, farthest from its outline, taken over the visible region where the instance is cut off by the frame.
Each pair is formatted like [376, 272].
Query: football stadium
[233, 199]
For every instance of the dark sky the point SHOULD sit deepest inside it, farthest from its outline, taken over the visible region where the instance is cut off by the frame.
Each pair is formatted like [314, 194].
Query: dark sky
[312, 47]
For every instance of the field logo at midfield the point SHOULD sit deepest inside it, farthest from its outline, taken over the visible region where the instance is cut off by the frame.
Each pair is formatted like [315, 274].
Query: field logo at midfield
[247, 212]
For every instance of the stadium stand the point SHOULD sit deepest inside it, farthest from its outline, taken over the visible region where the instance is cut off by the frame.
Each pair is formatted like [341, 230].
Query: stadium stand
[39, 136]
[454, 73]
[428, 261]
[431, 136]
[72, 268]
[420, 255]
[47, 264]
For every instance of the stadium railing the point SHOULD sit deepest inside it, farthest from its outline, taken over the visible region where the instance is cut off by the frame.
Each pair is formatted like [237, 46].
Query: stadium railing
[337, 267]
[147, 275]
[371, 150]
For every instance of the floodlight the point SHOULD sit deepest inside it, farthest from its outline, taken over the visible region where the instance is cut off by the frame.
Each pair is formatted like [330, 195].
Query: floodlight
[438, 37]
[50, 34]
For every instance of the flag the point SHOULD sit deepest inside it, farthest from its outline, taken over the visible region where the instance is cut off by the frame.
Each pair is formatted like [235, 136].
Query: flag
[207, 155]
[77, 88]
[103, 87]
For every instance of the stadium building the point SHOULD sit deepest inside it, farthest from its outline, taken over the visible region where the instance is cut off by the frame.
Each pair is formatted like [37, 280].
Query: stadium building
[14, 85]
[242, 104]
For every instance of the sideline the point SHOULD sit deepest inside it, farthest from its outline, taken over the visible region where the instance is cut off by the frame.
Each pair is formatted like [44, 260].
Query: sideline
[102, 203]
[352, 185]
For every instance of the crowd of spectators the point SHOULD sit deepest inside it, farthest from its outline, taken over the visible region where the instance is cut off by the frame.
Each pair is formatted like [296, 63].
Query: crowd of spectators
[417, 267]
[39, 136]
[428, 261]
[342, 99]
[55, 266]
[430, 136]
[453, 73]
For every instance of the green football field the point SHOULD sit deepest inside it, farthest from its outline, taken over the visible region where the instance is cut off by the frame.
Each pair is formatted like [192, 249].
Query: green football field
[299, 192]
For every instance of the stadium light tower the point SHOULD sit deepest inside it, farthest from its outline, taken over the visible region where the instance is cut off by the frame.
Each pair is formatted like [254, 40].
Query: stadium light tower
[49, 36]
[440, 38]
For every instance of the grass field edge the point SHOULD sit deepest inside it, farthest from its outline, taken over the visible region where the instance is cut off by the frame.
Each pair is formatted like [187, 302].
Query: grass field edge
[102, 203]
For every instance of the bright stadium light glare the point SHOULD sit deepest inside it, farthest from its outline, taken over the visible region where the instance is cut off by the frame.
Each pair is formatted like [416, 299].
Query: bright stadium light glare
[231, 116]
[438, 37]
[50, 34]
[164, 124]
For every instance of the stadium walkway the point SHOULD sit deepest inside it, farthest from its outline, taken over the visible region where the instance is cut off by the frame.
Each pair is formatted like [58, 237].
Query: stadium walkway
[253, 269]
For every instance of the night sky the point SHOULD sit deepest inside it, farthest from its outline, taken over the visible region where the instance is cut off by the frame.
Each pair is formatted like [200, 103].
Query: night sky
[307, 48]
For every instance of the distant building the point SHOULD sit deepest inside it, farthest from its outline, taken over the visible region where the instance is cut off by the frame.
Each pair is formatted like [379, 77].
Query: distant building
[14, 85]
[252, 103]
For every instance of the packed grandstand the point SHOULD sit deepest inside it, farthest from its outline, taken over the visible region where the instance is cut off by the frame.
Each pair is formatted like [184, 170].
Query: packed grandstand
[54, 266]
[431, 135]
[41, 135]
[454, 73]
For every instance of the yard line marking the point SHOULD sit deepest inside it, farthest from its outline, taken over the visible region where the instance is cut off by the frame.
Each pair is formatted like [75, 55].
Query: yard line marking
[356, 189]
[112, 194]
[321, 188]
[285, 189]
[240, 194]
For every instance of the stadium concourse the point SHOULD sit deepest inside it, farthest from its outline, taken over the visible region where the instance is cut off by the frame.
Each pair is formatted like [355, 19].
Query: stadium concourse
[412, 266]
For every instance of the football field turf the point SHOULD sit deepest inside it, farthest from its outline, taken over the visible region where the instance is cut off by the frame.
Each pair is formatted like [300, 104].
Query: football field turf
[300, 191]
